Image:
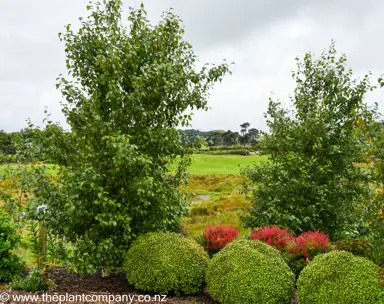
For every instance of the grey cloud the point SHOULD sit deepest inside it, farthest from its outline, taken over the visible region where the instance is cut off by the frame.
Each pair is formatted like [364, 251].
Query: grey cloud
[261, 37]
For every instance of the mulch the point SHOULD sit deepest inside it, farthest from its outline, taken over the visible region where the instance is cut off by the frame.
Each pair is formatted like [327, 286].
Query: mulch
[74, 284]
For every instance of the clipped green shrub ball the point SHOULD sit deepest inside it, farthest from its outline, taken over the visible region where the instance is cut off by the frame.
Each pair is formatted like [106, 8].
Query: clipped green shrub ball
[166, 263]
[339, 277]
[249, 272]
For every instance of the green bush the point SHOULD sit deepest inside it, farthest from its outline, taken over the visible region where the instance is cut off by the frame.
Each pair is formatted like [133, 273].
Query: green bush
[166, 263]
[249, 272]
[5, 159]
[198, 211]
[360, 247]
[339, 277]
[10, 264]
[35, 281]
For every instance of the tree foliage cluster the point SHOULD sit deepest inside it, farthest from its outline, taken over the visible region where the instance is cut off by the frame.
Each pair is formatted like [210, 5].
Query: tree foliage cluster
[127, 92]
[311, 181]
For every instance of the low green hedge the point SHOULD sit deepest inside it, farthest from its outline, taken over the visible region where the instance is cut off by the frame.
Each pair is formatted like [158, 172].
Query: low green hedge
[249, 272]
[166, 263]
[339, 277]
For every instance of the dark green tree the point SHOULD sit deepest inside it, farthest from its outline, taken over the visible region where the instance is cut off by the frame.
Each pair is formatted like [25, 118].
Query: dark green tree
[128, 92]
[6, 143]
[253, 135]
[310, 181]
[244, 127]
[248, 136]
[215, 138]
[231, 138]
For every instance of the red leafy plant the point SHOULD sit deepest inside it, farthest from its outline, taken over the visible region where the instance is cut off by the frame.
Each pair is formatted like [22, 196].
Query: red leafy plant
[273, 235]
[217, 237]
[309, 244]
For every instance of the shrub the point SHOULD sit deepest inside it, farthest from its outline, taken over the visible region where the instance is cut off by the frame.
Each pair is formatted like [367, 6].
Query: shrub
[304, 248]
[166, 263]
[216, 238]
[35, 281]
[309, 244]
[339, 277]
[10, 264]
[360, 247]
[273, 236]
[249, 272]
[198, 211]
[5, 159]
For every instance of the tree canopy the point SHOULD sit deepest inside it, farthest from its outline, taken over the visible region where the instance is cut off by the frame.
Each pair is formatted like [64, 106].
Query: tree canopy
[310, 181]
[127, 93]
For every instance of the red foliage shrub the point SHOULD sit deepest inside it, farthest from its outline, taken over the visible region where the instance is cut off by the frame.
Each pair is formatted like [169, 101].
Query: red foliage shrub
[217, 237]
[308, 244]
[273, 236]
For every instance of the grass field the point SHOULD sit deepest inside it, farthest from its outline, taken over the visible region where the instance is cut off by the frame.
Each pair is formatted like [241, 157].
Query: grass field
[222, 164]
[205, 164]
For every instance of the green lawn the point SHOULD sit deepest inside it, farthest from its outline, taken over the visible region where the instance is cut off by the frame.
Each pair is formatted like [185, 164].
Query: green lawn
[222, 164]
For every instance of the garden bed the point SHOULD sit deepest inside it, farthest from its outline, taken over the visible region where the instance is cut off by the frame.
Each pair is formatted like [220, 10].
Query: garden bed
[75, 284]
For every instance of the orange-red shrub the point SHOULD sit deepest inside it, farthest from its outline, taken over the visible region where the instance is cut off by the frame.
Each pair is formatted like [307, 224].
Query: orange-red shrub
[217, 237]
[308, 244]
[273, 236]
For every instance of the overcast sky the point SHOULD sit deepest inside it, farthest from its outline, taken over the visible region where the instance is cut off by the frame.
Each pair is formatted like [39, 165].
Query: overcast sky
[262, 38]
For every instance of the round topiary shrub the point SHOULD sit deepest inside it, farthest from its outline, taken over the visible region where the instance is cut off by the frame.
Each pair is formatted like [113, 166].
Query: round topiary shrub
[166, 263]
[249, 272]
[339, 277]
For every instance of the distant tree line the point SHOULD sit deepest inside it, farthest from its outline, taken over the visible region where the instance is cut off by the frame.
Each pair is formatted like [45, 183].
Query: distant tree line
[20, 140]
[246, 136]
